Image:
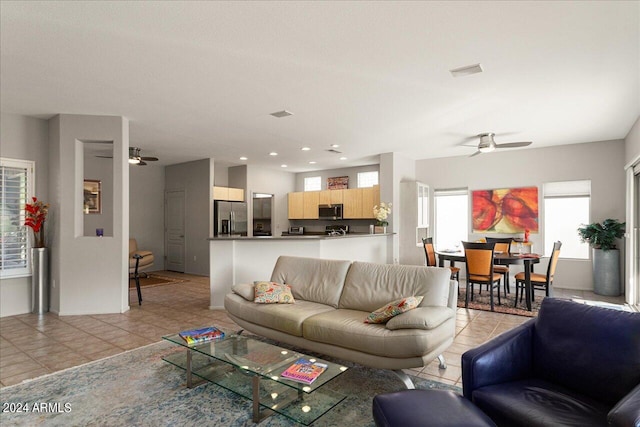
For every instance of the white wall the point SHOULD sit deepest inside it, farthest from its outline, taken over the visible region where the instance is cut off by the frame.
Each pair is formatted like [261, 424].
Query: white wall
[352, 173]
[195, 179]
[24, 138]
[601, 162]
[89, 275]
[146, 210]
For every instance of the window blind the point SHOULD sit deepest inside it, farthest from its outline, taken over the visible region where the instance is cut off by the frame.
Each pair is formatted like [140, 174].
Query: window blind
[15, 186]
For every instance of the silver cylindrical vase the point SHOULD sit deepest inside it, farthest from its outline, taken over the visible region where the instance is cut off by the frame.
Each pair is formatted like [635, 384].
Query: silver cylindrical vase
[606, 272]
[39, 280]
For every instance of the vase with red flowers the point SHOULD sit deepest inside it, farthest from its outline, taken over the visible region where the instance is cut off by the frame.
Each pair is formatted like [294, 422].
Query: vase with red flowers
[36, 215]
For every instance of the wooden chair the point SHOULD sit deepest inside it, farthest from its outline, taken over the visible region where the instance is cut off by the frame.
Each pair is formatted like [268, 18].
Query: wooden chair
[503, 244]
[540, 281]
[139, 261]
[479, 263]
[430, 255]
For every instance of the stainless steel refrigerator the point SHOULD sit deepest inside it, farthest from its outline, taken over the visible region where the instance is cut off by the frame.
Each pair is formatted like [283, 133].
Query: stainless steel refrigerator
[230, 218]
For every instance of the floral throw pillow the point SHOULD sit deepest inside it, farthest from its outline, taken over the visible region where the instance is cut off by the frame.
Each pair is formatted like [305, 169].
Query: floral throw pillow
[272, 293]
[392, 309]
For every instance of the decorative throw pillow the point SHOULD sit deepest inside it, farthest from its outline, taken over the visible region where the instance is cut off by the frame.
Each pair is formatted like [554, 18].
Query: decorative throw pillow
[245, 290]
[272, 293]
[394, 308]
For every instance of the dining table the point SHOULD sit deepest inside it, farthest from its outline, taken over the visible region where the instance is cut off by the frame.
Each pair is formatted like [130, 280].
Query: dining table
[526, 260]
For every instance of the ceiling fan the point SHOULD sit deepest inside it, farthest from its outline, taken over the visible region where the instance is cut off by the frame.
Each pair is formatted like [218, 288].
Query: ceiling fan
[487, 144]
[135, 158]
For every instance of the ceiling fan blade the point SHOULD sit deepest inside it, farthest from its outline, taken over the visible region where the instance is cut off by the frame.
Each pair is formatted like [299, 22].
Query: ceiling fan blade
[105, 157]
[471, 143]
[514, 144]
[149, 159]
[476, 153]
[142, 163]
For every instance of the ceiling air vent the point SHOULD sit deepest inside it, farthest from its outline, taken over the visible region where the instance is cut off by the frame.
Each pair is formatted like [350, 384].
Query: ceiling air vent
[465, 71]
[281, 114]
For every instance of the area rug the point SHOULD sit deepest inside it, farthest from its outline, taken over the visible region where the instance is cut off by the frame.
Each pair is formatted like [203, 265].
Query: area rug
[154, 280]
[139, 388]
[482, 302]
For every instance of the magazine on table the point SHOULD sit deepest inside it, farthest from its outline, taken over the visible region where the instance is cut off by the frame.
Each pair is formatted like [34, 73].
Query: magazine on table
[197, 336]
[304, 371]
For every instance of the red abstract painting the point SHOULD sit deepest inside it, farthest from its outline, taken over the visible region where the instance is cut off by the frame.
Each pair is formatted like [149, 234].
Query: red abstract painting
[506, 210]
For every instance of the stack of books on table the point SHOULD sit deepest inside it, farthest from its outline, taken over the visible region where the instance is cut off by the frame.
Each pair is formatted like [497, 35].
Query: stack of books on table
[304, 371]
[197, 336]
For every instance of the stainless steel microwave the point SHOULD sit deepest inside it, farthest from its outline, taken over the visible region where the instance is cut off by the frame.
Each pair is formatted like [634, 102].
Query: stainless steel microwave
[330, 212]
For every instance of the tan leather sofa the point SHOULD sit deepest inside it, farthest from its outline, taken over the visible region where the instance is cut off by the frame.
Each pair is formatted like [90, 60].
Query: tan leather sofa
[332, 299]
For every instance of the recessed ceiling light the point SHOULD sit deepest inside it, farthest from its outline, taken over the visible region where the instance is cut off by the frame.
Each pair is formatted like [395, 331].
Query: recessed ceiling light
[243, 158]
[343, 158]
[335, 145]
[273, 153]
[312, 163]
[281, 114]
[305, 148]
[467, 70]
[283, 166]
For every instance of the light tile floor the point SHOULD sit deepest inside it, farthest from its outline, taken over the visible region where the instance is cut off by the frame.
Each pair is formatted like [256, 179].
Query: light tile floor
[33, 345]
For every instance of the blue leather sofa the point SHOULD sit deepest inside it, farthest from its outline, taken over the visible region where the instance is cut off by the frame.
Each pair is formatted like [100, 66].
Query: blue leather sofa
[574, 365]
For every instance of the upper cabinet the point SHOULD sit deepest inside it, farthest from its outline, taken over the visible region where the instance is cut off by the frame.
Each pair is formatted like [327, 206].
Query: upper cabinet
[331, 197]
[296, 205]
[310, 200]
[229, 194]
[357, 203]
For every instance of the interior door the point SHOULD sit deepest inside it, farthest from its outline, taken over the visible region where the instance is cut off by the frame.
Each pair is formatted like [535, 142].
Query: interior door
[174, 230]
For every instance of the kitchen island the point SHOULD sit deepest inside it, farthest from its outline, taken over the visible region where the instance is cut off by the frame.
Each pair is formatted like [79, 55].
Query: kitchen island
[244, 259]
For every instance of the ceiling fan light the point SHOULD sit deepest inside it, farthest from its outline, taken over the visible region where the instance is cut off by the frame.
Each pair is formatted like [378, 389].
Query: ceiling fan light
[487, 149]
[134, 160]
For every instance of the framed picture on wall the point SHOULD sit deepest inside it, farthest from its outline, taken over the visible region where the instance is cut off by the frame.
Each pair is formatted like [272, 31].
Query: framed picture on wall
[338, 183]
[505, 210]
[92, 196]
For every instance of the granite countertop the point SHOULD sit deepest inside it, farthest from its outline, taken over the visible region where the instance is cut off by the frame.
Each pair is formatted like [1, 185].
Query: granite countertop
[298, 237]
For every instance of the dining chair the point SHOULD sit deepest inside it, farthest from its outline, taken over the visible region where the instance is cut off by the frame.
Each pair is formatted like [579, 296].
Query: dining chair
[503, 244]
[430, 255]
[540, 281]
[479, 263]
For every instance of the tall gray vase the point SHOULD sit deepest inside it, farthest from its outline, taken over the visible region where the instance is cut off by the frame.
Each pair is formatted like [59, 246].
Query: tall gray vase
[39, 280]
[606, 272]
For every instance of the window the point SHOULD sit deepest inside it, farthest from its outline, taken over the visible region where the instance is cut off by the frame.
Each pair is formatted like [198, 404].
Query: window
[16, 182]
[313, 183]
[451, 218]
[367, 179]
[566, 207]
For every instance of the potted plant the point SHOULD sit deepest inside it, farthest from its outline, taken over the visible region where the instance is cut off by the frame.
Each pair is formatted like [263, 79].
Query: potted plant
[606, 257]
[381, 213]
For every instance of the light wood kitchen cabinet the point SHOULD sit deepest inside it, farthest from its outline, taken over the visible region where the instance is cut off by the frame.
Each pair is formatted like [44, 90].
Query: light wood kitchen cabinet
[352, 203]
[331, 197]
[229, 194]
[236, 194]
[311, 200]
[359, 202]
[370, 198]
[296, 205]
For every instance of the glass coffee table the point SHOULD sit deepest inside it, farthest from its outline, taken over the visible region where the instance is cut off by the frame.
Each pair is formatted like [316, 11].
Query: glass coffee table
[251, 368]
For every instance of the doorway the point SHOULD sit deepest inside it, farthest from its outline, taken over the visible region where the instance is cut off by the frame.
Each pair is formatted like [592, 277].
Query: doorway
[175, 230]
